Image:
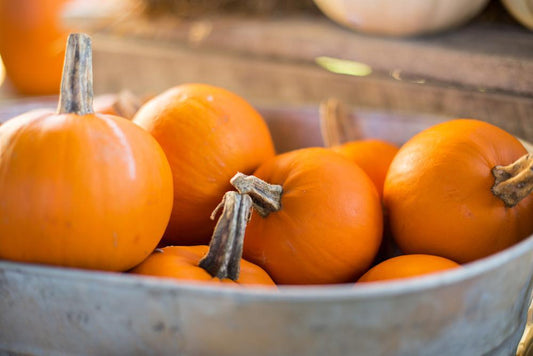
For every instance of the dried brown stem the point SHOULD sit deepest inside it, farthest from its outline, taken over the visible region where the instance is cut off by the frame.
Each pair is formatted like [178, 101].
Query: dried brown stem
[336, 126]
[126, 104]
[76, 96]
[514, 182]
[223, 259]
[266, 197]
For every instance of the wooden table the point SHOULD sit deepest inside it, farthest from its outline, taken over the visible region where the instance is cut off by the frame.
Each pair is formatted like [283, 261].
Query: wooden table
[483, 70]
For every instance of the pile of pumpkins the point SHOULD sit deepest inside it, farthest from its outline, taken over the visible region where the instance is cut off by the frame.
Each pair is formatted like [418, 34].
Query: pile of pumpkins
[96, 191]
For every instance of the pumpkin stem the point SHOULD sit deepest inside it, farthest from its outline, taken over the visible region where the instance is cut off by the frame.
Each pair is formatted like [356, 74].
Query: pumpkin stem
[336, 126]
[223, 260]
[126, 104]
[76, 96]
[266, 197]
[514, 182]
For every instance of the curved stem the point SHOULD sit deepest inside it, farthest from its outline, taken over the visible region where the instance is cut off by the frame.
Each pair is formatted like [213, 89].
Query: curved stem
[126, 104]
[76, 96]
[336, 126]
[223, 260]
[266, 197]
[514, 182]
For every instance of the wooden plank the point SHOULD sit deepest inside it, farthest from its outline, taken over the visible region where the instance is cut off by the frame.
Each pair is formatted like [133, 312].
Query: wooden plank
[146, 67]
[486, 56]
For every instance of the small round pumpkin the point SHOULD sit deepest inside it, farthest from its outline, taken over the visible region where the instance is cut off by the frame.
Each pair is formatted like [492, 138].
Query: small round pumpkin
[460, 190]
[80, 189]
[373, 156]
[221, 261]
[406, 266]
[208, 135]
[317, 218]
[342, 133]
[183, 263]
[32, 44]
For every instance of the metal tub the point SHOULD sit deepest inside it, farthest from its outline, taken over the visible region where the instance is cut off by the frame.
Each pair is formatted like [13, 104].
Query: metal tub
[477, 310]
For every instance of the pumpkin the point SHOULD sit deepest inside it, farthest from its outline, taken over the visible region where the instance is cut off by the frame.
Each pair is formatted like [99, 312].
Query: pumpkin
[341, 132]
[80, 189]
[406, 266]
[221, 261]
[317, 218]
[32, 44]
[372, 155]
[400, 18]
[208, 135]
[460, 190]
[521, 10]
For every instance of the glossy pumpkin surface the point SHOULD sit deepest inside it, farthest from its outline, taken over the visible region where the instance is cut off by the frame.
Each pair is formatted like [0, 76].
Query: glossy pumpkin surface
[373, 156]
[181, 262]
[90, 191]
[330, 224]
[32, 44]
[407, 266]
[438, 192]
[208, 135]
[79, 189]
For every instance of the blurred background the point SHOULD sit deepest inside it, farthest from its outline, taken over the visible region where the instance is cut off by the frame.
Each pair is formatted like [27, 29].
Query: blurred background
[444, 57]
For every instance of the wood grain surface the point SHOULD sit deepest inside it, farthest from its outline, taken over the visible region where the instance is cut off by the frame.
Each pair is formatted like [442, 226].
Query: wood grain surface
[484, 55]
[147, 67]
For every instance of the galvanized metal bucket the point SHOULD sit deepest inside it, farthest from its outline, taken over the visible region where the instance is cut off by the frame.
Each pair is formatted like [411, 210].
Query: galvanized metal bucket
[480, 309]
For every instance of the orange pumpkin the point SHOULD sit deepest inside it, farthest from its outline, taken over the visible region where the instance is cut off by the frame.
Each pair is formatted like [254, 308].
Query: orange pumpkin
[317, 218]
[448, 193]
[32, 44]
[220, 262]
[373, 156]
[338, 132]
[208, 135]
[407, 266]
[81, 189]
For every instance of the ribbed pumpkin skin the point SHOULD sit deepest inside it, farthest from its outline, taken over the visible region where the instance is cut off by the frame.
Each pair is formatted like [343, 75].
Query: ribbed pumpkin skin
[438, 192]
[32, 44]
[329, 227]
[181, 262]
[406, 266]
[90, 191]
[208, 134]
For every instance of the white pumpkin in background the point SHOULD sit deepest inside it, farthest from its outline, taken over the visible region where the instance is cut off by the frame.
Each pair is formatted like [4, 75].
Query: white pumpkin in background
[521, 10]
[401, 17]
